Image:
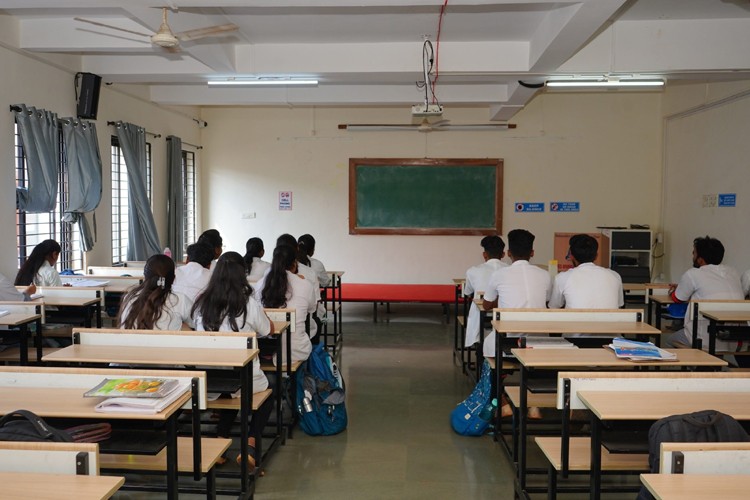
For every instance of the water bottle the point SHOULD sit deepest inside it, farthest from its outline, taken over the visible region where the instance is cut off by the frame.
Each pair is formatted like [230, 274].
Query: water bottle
[488, 412]
[306, 402]
[168, 252]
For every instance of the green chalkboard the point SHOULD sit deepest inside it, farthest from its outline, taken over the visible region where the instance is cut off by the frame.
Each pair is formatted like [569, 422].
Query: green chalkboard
[425, 196]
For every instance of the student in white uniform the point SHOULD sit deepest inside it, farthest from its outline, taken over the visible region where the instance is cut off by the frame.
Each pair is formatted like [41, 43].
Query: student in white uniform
[256, 267]
[477, 279]
[8, 292]
[227, 305]
[586, 285]
[709, 279]
[213, 239]
[153, 305]
[39, 267]
[309, 274]
[306, 245]
[745, 280]
[192, 278]
[520, 285]
[282, 287]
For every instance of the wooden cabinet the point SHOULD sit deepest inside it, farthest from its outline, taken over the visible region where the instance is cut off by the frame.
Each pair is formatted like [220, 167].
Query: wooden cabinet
[562, 245]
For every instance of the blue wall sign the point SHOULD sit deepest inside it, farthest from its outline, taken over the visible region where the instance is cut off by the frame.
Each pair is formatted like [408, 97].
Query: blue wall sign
[564, 206]
[728, 200]
[529, 207]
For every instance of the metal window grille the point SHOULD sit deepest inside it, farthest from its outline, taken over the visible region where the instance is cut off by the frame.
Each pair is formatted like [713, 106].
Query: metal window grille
[188, 188]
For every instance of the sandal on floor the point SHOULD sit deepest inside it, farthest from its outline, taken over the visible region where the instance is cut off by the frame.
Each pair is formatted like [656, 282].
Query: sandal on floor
[534, 413]
[250, 457]
[506, 411]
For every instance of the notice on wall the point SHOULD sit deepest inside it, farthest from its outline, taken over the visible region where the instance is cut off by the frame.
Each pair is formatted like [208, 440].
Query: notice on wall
[530, 207]
[564, 206]
[728, 200]
[285, 200]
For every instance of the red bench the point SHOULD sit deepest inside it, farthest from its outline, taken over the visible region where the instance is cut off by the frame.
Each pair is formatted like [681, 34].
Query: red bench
[388, 293]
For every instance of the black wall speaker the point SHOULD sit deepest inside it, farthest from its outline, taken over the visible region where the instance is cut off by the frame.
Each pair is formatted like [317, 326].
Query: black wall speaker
[87, 85]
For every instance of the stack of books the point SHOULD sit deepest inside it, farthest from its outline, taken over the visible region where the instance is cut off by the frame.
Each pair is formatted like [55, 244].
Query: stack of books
[639, 351]
[137, 395]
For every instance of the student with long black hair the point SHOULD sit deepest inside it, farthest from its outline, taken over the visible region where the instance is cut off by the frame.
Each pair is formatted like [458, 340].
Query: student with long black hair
[254, 252]
[39, 268]
[227, 305]
[153, 305]
[283, 287]
[306, 244]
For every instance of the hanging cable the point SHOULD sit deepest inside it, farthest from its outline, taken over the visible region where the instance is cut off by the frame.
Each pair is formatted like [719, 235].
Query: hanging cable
[427, 60]
[437, 52]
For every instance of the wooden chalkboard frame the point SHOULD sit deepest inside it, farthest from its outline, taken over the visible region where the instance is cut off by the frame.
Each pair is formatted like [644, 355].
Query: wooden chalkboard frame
[355, 163]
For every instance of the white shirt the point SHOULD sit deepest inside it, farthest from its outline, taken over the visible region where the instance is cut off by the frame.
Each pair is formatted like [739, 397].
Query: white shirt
[300, 296]
[47, 276]
[256, 321]
[477, 279]
[711, 281]
[190, 280]
[311, 276]
[587, 286]
[176, 310]
[323, 278]
[258, 269]
[745, 280]
[519, 285]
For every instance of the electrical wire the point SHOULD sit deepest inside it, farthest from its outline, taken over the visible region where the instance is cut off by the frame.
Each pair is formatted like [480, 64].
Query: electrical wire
[437, 51]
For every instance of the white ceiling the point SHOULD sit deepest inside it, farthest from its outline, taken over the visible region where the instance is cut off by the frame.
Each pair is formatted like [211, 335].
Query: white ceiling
[369, 52]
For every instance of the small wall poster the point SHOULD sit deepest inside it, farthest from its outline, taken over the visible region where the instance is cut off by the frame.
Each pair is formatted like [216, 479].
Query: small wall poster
[285, 200]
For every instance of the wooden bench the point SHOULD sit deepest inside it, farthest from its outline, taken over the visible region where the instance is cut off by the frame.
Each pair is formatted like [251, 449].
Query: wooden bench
[21, 315]
[393, 293]
[697, 310]
[705, 458]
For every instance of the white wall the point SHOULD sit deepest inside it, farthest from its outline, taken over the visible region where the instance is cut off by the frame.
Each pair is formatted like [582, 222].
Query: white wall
[706, 152]
[603, 150]
[48, 83]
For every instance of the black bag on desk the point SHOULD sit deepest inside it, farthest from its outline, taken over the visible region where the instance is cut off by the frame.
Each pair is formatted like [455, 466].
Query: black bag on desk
[29, 427]
[707, 426]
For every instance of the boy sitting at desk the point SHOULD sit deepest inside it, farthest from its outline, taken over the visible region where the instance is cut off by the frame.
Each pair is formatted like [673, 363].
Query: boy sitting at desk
[477, 279]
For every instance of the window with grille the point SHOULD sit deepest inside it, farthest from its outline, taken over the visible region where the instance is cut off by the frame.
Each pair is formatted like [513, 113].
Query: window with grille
[188, 188]
[120, 201]
[32, 229]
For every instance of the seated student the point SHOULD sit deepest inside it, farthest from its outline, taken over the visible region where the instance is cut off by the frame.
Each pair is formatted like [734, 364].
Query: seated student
[745, 280]
[586, 285]
[477, 279]
[254, 252]
[39, 267]
[227, 305]
[309, 274]
[282, 287]
[519, 285]
[213, 239]
[306, 245]
[153, 305]
[192, 278]
[709, 279]
[8, 292]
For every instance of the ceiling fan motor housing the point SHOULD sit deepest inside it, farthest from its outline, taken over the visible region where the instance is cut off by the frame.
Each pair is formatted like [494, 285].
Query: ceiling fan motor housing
[166, 40]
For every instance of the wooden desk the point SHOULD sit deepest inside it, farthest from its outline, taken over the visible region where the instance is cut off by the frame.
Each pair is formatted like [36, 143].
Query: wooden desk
[21, 322]
[89, 306]
[719, 318]
[240, 359]
[58, 486]
[696, 486]
[651, 405]
[584, 359]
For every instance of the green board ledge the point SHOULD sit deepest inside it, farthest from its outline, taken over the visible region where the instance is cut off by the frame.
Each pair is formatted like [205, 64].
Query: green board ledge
[425, 196]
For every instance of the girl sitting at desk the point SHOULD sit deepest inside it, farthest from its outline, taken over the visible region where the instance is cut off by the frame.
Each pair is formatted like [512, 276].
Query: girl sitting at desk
[227, 305]
[254, 252]
[39, 268]
[153, 305]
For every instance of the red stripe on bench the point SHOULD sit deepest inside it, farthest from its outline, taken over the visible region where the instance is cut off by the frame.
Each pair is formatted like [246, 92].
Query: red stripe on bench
[365, 292]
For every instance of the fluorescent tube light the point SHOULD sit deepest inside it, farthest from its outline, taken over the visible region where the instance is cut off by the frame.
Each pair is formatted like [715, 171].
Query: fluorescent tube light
[279, 82]
[583, 84]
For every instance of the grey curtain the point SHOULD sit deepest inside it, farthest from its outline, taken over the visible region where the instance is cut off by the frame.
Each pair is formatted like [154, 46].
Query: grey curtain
[84, 176]
[143, 240]
[175, 197]
[38, 131]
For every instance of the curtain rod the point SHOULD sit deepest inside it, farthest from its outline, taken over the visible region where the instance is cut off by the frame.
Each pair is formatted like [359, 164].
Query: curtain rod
[169, 137]
[116, 124]
[17, 109]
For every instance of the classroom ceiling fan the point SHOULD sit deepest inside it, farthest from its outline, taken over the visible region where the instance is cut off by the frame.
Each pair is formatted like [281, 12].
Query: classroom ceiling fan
[424, 126]
[168, 39]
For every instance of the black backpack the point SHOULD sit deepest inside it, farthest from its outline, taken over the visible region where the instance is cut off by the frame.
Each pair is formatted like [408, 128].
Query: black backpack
[29, 427]
[707, 426]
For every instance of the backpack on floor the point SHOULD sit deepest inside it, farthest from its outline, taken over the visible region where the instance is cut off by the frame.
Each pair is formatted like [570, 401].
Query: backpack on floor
[707, 426]
[320, 395]
[465, 418]
[23, 425]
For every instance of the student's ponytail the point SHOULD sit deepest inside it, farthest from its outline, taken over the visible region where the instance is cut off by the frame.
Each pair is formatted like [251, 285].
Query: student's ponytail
[253, 248]
[277, 282]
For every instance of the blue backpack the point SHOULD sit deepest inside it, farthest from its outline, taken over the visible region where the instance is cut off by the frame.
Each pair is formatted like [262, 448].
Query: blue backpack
[320, 395]
[465, 418]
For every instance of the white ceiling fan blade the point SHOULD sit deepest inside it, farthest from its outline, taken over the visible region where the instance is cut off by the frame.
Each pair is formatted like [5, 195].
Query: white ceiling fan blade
[477, 126]
[440, 123]
[363, 127]
[96, 23]
[199, 33]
